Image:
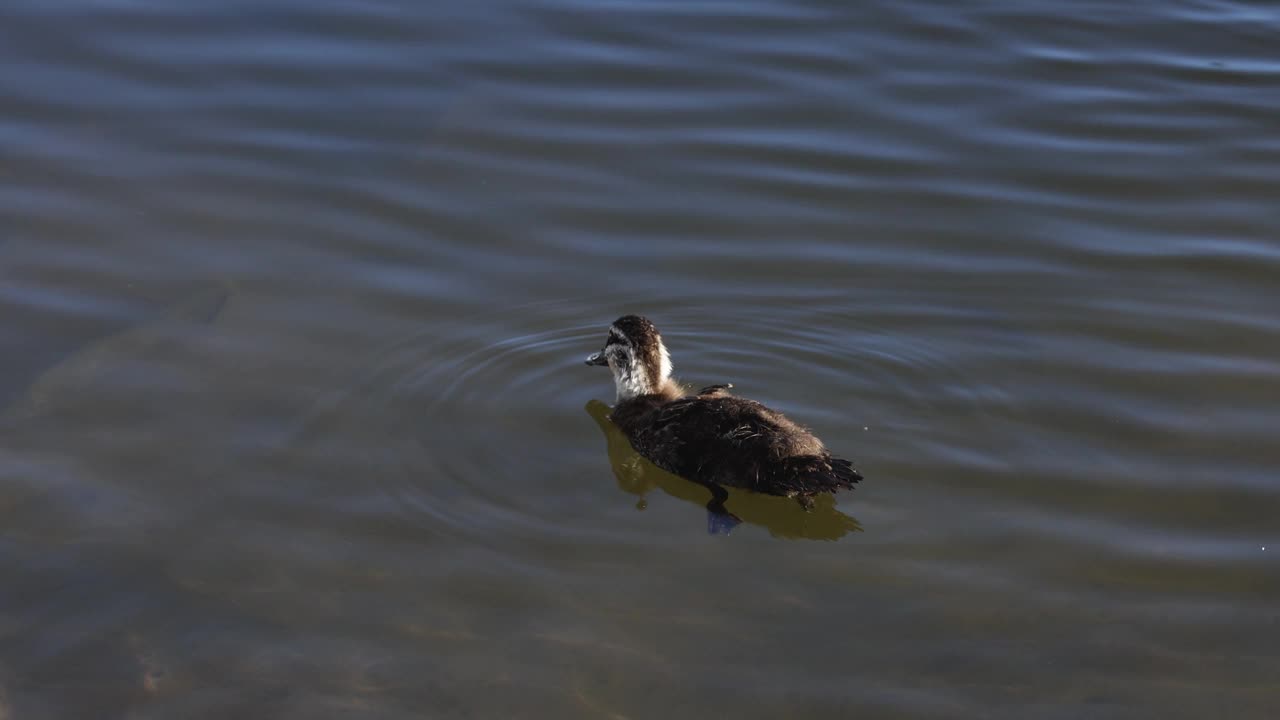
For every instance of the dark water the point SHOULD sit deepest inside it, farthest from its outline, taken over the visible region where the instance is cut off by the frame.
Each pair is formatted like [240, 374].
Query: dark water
[294, 297]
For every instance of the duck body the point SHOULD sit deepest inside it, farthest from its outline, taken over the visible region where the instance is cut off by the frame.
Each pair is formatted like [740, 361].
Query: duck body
[712, 437]
[721, 439]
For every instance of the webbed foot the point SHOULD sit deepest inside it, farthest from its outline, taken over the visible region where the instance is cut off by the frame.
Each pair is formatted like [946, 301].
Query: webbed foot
[721, 522]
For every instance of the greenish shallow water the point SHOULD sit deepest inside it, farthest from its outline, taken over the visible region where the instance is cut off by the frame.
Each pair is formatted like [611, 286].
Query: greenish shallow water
[294, 297]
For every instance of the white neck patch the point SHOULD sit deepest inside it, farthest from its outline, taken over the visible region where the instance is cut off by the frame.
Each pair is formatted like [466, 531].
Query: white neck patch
[664, 364]
[631, 377]
[631, 384]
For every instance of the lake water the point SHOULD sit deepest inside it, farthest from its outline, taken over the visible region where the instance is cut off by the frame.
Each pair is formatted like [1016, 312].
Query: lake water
[294, 298]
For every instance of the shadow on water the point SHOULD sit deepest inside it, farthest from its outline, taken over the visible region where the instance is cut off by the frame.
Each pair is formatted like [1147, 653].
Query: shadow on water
[782, 517]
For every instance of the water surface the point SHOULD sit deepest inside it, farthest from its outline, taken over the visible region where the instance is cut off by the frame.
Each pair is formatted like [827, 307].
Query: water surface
[295, 297]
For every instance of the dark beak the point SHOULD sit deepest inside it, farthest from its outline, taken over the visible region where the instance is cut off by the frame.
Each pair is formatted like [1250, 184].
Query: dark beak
[597, 359]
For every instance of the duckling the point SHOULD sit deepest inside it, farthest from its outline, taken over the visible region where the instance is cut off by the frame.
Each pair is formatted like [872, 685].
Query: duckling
[712, 437]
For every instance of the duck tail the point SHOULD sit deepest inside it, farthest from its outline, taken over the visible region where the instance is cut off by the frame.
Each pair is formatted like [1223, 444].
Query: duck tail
[812, 474]
[842, 470]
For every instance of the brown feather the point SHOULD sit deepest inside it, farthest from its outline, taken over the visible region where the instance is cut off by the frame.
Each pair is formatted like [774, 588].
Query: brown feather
[717, 438]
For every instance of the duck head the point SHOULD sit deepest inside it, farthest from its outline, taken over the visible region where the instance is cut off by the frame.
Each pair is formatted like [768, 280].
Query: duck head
[634, 352]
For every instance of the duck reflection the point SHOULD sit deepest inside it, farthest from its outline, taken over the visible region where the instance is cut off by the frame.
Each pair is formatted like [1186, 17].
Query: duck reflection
[726, 507]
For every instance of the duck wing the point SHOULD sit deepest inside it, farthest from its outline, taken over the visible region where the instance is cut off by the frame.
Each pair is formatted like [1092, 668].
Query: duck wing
[693, 435]
[726, 440]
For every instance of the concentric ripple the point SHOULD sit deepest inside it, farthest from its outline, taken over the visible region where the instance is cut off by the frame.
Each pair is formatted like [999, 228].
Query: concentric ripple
[482, 433]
